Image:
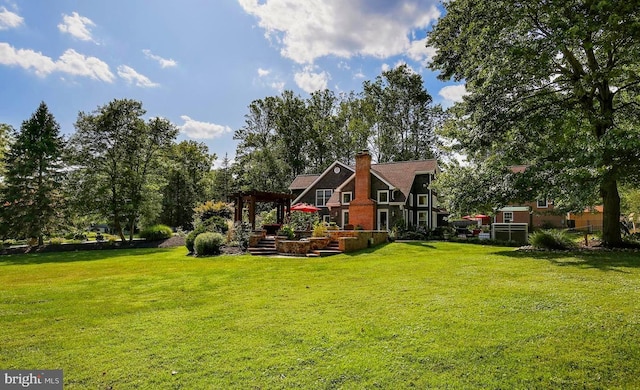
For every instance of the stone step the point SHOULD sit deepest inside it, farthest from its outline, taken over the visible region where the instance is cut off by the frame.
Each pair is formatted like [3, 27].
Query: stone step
[262, 251]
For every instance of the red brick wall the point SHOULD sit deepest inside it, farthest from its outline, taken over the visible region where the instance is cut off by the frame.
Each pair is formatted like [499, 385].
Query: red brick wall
[362, 210]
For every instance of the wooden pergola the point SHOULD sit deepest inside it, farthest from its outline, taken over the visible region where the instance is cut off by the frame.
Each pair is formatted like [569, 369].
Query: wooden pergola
[250, 198]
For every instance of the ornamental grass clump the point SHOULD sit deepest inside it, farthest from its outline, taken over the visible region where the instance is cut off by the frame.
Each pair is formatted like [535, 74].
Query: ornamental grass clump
[207, 244]
[552, 239]
[156, 232]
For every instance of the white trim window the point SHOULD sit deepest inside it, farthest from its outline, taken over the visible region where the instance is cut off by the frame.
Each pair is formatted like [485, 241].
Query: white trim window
[347, 197]
[322, 197]
[423, 218]
[423, 200]
[507, 216]
[542, 203]
[345, 218]
[326, 218]
[383, 197]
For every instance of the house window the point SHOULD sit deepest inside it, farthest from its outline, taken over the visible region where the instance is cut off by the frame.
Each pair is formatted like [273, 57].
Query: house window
[508, 217]
[322, 197]
[422, 200]
[345, 218]
[346, 197]
[422, 218]
[410, 199]
[543, 203]
[326, 218]
[383, 196]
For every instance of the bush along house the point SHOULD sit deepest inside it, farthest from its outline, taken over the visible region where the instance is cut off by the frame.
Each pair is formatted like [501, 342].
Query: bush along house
[373, 196]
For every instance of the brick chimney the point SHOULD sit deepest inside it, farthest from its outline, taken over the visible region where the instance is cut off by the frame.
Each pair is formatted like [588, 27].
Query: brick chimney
[362, 210]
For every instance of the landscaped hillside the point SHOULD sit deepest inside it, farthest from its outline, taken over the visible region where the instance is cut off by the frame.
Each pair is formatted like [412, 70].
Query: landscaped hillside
[423, 315]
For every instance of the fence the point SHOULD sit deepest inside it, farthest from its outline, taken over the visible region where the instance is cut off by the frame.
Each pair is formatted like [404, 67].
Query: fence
[518, 232]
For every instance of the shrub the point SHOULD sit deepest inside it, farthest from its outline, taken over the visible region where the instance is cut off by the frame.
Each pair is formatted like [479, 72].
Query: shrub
[552, 239]
[189, 241]
[242, 232]
[209, 209]
[56, 240]
[156, 232]
[319, 230]
[208, 244]
[287, 231]
[215, 224]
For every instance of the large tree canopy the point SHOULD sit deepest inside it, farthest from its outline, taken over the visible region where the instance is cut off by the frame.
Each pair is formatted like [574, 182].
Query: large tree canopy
[116, 154]
[552, 84]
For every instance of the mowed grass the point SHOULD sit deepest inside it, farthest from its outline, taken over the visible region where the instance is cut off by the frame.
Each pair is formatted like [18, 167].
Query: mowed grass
[407, 315]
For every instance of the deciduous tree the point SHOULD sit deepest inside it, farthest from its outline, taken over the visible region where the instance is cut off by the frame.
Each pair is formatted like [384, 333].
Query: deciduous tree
[116, 154]
[552, 84]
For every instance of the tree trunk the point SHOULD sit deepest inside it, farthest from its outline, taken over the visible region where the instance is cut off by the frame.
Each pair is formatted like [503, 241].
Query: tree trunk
[118, 227]
[611, 213]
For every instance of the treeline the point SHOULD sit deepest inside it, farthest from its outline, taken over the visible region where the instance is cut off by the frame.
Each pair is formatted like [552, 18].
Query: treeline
[116, 169]
[284, 136]
[126, 172]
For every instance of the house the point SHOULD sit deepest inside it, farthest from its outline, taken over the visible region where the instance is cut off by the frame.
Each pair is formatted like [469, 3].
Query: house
[589, 219]
[373, 196]
[539, 213]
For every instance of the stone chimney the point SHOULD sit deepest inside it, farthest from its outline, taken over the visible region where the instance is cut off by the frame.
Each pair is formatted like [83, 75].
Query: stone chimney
[362, 210]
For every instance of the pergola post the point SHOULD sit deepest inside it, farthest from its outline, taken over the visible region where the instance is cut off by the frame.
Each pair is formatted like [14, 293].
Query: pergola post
[282, 201]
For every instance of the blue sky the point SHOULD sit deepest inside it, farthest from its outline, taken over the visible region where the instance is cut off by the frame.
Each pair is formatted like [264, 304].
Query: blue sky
[200, 63]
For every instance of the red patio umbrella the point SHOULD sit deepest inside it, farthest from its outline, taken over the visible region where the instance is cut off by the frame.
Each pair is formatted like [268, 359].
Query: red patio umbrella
[305, 208]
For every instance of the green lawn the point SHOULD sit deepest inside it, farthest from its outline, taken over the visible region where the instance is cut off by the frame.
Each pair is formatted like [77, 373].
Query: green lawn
[423, 315]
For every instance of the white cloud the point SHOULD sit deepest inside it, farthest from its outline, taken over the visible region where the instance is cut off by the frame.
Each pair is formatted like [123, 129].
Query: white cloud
[9, 19]
[202, 130]
[453, 93]
[307, 30]
[278, 85]
[131, 76]
[70, 62]
[267, 78]
[164, 62]
[385, 67]
[310, 81]
[77, 26]
[418, 51]
[74, 63]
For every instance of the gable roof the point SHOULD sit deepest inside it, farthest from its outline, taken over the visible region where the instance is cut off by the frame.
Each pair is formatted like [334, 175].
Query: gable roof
[302, 182]
[317, 179]
[401, 174]
[398, 175]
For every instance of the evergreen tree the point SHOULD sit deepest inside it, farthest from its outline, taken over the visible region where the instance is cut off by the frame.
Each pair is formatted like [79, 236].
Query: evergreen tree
[33, 180]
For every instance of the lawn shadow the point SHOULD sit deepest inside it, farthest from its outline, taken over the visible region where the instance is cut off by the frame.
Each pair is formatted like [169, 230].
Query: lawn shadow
[421, 244]
[599, 259]
[70, 257]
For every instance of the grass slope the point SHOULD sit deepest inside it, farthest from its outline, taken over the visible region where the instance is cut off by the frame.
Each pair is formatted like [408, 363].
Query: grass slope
[425, 315]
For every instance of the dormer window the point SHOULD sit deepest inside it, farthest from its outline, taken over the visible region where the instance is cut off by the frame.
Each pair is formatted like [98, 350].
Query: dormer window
[383, 196]
[422, 200]
[346, 197]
